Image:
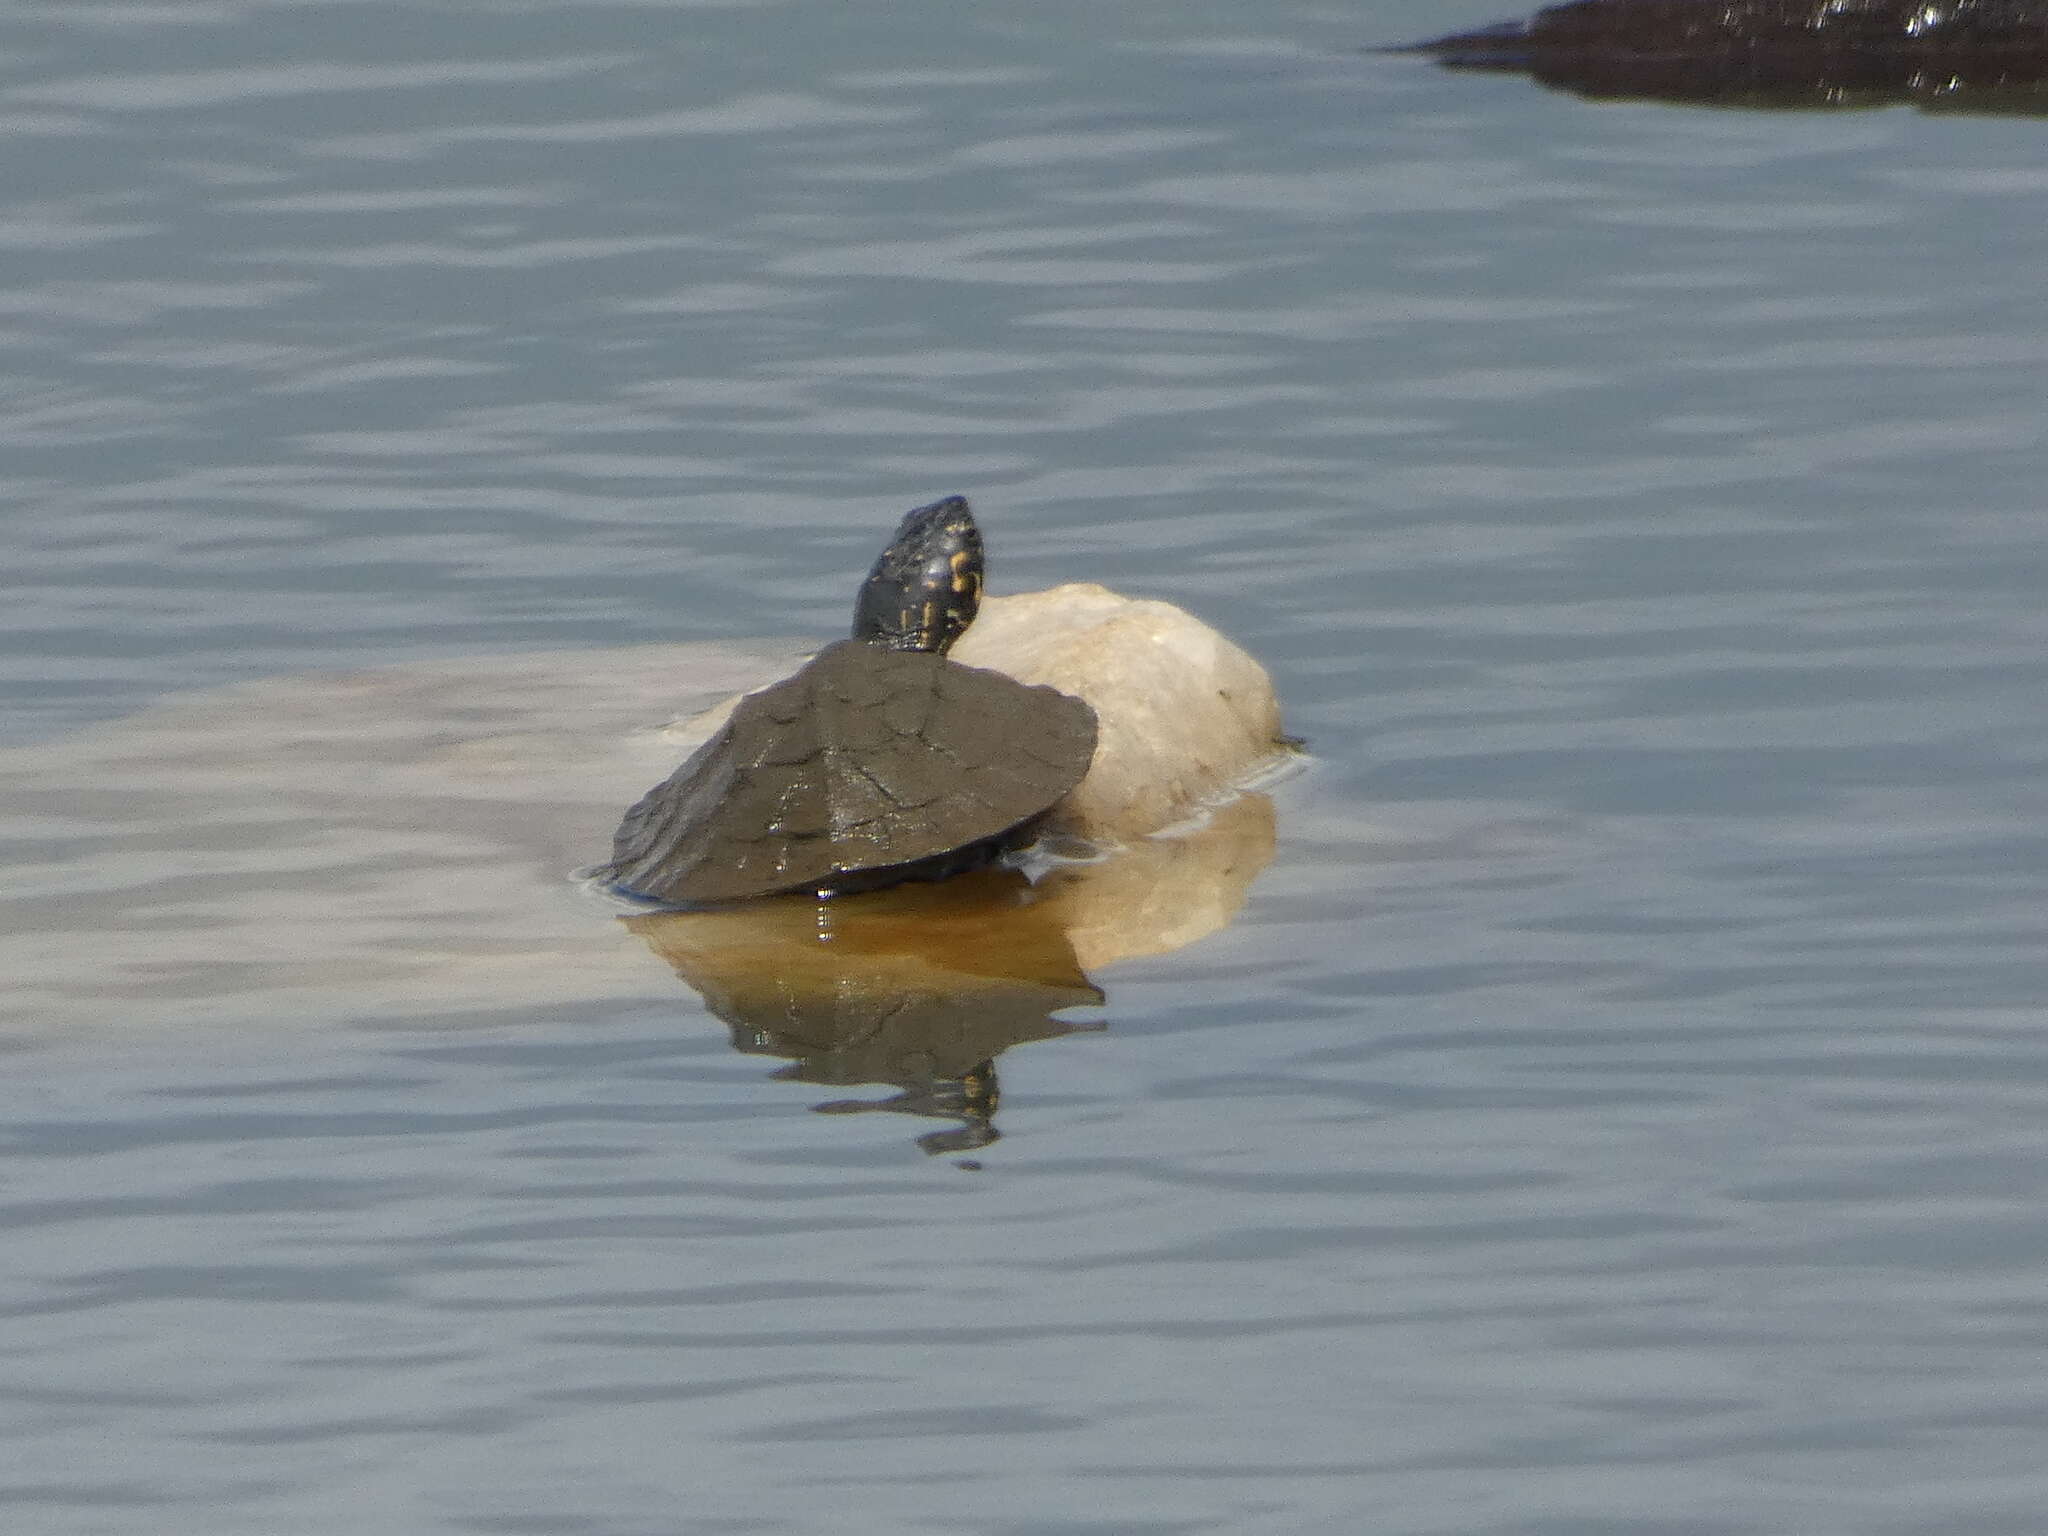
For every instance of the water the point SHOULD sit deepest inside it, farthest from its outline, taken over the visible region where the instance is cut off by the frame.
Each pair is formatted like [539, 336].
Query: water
[1616, 1109]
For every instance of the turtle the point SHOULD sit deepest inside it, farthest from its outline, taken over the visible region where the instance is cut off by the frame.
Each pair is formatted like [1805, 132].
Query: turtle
[880, 760]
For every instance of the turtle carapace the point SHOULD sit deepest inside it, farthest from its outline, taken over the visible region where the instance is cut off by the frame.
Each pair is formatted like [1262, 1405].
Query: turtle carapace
[879, 761]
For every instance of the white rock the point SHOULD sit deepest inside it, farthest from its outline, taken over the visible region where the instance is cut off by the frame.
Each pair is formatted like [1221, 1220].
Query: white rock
[1184, 716]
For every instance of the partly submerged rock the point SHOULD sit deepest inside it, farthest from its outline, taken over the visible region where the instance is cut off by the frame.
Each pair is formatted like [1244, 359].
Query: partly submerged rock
[314, 848]
[305, 850]
[1184, 717]
[1951, 55]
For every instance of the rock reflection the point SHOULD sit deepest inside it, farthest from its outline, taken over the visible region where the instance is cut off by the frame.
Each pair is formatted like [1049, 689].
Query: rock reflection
[922, 987]
[1956, 57]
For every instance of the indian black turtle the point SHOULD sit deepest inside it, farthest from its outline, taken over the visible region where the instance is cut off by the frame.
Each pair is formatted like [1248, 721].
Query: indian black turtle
[880, 760]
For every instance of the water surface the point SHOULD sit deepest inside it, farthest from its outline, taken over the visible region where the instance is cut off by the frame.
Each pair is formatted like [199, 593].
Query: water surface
[1618, 1105]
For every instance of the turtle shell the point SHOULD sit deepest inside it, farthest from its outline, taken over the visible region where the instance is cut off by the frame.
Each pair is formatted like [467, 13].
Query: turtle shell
[865, 767]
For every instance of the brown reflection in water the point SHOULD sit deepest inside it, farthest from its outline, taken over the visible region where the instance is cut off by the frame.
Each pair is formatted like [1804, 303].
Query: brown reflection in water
[921, 987]
[1960, 56]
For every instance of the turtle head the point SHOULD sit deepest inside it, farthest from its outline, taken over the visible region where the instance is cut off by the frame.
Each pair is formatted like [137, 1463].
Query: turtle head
[924, 590]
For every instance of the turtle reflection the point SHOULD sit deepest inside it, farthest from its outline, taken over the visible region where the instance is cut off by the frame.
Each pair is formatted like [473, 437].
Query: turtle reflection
[921, 987]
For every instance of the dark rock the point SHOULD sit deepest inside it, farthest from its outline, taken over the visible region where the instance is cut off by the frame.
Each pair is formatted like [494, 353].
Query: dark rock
[1941, 55]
